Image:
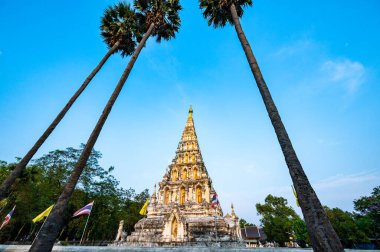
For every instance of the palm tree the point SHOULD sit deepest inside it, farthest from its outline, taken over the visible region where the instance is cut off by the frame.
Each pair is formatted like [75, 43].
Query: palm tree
[161, 16]
[118, 39]
[322, 235]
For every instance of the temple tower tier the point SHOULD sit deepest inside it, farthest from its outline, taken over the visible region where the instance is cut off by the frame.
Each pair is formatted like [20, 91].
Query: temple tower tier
[180, 212]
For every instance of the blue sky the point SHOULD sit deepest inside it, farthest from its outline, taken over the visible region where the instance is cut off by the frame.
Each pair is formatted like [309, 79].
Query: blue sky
[320, 60]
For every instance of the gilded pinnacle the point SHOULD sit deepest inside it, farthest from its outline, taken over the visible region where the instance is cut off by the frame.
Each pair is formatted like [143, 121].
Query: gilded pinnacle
[191, 111]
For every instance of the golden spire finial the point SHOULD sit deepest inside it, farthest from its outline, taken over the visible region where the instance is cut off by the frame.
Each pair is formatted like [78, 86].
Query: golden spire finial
[191, 111]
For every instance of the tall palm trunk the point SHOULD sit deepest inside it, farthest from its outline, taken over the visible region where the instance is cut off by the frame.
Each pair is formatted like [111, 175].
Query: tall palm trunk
[322, 234]
[48, 234]
[8, 182]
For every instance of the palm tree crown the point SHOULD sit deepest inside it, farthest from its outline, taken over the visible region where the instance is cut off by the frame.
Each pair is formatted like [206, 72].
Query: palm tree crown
[119, 24]
[217, 12]
[163, 14]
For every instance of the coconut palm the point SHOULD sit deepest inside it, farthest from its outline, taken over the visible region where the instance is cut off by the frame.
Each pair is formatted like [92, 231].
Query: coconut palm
[161, 16]
[323, 237]
[118, 38]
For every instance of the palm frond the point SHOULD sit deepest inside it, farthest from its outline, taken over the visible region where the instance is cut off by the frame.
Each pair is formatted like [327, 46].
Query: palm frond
[164, 14]
[120, 24]
[217, 12]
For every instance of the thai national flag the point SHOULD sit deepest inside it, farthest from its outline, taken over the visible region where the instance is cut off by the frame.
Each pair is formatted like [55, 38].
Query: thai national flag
[84, 210]
[214, 200]
[8, 218]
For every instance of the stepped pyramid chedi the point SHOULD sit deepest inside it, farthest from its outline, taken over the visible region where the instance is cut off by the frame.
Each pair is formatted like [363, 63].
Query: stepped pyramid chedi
[180, 212]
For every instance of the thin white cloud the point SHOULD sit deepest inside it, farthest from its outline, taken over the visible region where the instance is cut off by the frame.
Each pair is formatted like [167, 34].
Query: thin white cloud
[339, 190]
[347, 73]
[295, 47]
[312, 60]
[328, 142]
[350, 180]
[166, 68]
[342, 189]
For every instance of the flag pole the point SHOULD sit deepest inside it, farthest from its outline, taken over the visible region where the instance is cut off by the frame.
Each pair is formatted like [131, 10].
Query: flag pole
[39, 231]
[85, 226]
[31, 233]
[19, 232]
[84, 230]
[61, 233]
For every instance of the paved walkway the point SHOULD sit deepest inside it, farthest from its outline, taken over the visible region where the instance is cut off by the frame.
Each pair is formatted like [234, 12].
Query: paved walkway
[24, 248]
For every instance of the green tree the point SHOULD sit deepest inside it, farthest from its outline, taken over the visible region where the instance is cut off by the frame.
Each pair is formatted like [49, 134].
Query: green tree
[277, 218]
[368, 214]
[161, 16]
[118, 36]
[322, 235]
[346, 228]
[41, 183]
[300, 232]
[244, 223]
[131, 209]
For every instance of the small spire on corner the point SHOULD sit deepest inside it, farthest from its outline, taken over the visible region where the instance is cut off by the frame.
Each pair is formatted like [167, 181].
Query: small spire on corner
[233, 211]
[154, 193]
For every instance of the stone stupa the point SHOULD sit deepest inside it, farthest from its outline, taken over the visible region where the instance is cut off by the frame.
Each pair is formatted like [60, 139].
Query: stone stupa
[181, 213]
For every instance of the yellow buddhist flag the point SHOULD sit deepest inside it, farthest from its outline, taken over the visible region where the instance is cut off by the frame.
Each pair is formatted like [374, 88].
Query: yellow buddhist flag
[143, 209]
[43, 214]
[295, 195]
